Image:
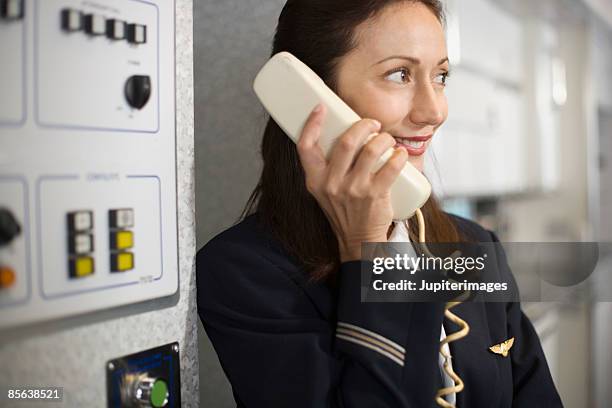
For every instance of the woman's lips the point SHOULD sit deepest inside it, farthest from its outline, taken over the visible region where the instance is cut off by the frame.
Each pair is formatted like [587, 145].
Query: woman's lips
[415, 145]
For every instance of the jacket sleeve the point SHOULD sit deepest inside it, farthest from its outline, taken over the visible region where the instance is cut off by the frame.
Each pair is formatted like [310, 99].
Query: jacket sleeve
[532, 382]
[278, 350]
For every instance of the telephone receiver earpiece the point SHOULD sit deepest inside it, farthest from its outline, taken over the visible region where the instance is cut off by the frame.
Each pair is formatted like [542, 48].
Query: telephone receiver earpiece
[289, 90]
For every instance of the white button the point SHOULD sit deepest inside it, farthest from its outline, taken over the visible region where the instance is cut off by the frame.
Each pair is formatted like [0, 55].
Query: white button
[13, 9]
[83, 244]
[74, 20]
[95, 24]
[137, 33]
[118, 30]
[123, 218]
[82, 221]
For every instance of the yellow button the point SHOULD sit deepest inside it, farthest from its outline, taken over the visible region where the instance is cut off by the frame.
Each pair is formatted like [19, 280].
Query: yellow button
[7, 277]
[122, 261]
[81, 266]
[122, 240]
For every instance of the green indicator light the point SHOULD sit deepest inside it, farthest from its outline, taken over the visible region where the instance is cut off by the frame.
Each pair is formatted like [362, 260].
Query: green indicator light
[159, 394]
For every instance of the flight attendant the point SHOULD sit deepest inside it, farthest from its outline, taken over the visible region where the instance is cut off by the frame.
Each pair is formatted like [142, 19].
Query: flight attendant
[279, 293]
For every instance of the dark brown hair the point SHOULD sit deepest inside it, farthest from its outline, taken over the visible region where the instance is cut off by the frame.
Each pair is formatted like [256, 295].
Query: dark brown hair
[320, 33]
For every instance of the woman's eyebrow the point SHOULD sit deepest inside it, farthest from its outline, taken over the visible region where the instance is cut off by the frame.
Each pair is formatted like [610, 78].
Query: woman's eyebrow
[412, 60]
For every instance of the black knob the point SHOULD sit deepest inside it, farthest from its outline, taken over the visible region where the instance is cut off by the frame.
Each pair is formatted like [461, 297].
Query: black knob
[9, 227]
[138, 90]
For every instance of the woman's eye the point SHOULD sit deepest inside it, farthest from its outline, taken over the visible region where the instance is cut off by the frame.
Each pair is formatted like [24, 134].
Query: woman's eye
[400, 76]
[441, 78]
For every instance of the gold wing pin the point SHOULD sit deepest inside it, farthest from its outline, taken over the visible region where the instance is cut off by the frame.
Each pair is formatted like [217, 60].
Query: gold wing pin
[502, 348]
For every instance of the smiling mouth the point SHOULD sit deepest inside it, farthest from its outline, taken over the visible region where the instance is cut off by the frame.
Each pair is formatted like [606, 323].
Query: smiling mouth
[412, 143]
[415, 146]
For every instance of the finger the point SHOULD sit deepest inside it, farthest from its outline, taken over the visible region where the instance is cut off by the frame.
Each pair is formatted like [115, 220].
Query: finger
[370, 155]
[387, 175]
[309, 150]
[348, 146]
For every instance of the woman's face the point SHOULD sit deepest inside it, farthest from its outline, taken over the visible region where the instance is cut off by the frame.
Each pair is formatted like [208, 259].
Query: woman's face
[397, 75]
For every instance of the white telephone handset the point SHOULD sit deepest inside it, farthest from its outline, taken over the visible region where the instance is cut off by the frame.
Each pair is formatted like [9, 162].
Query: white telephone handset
[290, 90]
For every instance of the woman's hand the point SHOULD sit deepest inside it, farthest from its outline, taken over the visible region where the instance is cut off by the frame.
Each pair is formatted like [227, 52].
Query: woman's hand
[356, 201]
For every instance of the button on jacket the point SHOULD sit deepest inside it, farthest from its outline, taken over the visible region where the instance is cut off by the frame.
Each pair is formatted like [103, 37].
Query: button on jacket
[286, 342]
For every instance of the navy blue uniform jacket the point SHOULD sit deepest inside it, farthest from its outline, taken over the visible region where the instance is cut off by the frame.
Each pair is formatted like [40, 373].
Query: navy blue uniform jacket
[285, 342]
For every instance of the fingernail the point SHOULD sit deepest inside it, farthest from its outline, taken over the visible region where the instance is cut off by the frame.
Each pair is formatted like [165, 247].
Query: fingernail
[377, 124]
[318, 108]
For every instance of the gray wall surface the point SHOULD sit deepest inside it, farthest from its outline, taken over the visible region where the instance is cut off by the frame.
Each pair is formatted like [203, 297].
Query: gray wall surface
[72, 353]
[232, 40]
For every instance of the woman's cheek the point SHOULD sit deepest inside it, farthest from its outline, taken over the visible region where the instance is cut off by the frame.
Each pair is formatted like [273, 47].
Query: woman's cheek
[444, 108]
[389, 110]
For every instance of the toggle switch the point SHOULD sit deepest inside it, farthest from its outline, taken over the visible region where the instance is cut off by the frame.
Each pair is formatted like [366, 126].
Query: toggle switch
[72, 20]
[94, 24]
[138, 90]
[136, 33]
[115, 29]
[7, 277]
[11, 9]
[9, 227]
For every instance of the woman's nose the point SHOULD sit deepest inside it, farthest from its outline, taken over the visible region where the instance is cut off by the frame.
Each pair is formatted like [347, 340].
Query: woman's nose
[426, 108]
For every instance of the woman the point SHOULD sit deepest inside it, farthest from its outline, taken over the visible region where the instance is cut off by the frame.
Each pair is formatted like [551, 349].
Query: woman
[278, 293]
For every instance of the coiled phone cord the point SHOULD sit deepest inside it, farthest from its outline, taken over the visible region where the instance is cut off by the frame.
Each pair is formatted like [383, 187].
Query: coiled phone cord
[461, 333]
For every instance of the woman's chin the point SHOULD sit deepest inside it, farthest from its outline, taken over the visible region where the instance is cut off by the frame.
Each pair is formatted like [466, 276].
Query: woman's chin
[416, 156]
